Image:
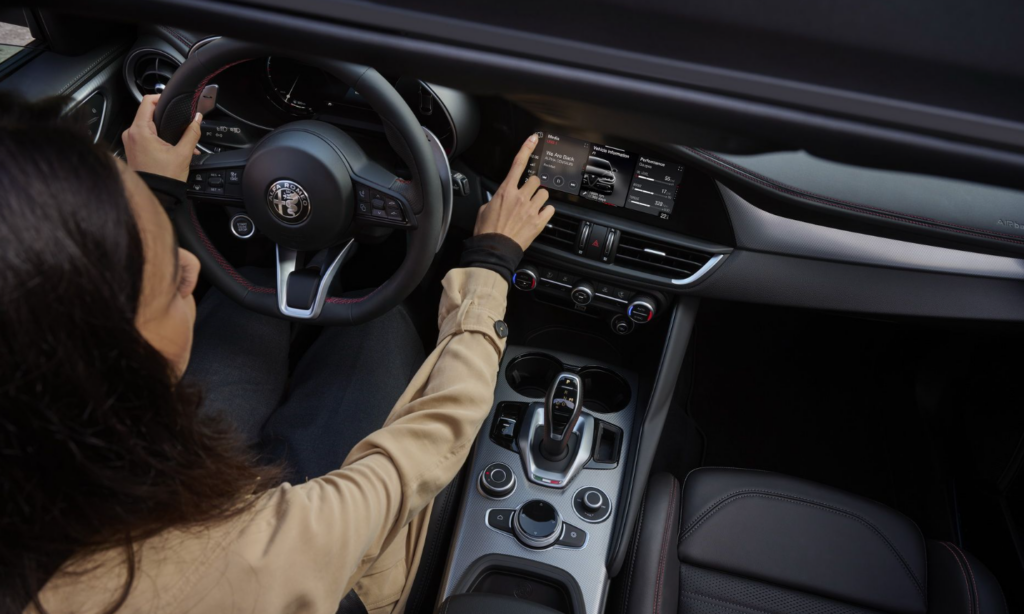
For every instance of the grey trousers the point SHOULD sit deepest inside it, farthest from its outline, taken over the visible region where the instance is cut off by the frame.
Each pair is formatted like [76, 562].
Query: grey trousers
[342, 389]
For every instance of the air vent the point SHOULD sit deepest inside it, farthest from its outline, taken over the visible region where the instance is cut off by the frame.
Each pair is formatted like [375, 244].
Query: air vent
[658, 258]
[561, 232]
[147, 71]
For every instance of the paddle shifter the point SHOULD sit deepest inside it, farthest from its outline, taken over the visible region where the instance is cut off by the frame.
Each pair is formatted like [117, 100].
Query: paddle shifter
[562, 409]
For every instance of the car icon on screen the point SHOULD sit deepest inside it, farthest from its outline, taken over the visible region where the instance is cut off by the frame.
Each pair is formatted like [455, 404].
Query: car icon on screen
[599, 176]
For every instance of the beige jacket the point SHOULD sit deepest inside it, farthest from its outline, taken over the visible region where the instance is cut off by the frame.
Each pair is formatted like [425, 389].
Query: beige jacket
[302, 548]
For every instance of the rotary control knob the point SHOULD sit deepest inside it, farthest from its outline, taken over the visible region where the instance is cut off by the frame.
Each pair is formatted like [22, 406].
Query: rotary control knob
[497, 481]
[641, 309]
[537, 524]
[582, 293]
[591, 504]
[525, 278]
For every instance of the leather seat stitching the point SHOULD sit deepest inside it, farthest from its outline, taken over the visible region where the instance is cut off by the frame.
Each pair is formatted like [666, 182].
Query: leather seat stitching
[970, 570]
[970, 602]
[664, 548]
[834, 510]
[632, 562]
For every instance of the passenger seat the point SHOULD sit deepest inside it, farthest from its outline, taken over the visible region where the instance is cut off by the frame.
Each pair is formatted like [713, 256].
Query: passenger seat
[741, 541]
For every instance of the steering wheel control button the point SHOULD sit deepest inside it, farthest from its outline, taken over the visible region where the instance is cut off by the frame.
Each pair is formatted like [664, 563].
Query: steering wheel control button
[641, 309]
[572, 537]
[234, 176]
[497, 481]
[582, 294]
[242, 227]
[591, 504]
[500, 519]
[525, 278]
[537, 524]
[362, 193]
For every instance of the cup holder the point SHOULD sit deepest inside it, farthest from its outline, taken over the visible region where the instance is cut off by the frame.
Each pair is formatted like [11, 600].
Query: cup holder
[606, 392]
[531, 374]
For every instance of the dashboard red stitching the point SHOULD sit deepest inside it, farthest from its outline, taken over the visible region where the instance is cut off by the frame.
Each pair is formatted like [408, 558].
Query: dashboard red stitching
[858, 207]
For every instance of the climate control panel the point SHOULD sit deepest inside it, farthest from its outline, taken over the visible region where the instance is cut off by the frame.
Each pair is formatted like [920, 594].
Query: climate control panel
[625, 307]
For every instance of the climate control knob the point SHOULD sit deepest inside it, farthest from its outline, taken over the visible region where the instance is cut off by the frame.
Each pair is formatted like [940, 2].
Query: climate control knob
[525, 278]
[582, 293]
[641, 309]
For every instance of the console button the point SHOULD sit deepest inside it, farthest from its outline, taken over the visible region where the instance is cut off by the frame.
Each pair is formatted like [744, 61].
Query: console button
[572, 537]
[497, 480]
[596, 242]
[591, 504]
[622, 325]
[500, 519]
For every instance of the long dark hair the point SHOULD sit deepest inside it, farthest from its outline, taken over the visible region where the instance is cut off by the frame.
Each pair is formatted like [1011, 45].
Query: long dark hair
[99, 446]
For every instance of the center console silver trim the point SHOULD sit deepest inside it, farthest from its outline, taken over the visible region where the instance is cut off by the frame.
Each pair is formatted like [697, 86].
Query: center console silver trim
[585, 429]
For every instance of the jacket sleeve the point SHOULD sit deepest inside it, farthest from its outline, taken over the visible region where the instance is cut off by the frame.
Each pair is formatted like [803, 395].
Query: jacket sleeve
[310, 543]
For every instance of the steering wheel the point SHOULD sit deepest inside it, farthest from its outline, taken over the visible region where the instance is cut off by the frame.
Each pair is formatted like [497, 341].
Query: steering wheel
[310, 188]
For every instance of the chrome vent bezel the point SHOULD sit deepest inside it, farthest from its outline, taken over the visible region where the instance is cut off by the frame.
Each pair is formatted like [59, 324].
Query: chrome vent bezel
[132, 62]
[661, 258]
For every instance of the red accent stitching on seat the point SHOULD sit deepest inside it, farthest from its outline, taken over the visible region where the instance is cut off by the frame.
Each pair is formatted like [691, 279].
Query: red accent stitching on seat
[977, 595]
[664, 549]
[970, 601]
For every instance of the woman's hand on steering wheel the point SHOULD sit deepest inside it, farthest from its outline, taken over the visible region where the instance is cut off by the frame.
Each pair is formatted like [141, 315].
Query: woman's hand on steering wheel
[518, 213]
[148, 153]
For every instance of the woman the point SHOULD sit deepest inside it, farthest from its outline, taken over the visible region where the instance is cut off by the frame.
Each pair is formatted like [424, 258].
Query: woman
[118, 493]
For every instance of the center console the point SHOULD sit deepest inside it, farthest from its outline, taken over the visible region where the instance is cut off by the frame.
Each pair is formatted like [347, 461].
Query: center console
[547, 470]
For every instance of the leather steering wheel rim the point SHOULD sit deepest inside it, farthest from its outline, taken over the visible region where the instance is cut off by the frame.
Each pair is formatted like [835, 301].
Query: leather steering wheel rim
[176, 109]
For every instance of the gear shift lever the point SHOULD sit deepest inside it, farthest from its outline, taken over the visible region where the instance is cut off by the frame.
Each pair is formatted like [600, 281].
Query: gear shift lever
[562, 409]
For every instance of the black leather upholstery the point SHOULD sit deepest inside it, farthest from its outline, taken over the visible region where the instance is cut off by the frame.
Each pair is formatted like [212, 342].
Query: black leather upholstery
[484, 603]
[753, 541]
[651, 573]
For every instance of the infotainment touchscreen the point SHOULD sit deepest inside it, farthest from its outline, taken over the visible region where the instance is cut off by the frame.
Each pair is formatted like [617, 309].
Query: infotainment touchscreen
[607, 175]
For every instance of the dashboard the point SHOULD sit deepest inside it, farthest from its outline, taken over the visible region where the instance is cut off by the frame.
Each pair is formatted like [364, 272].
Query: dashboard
[660, 213]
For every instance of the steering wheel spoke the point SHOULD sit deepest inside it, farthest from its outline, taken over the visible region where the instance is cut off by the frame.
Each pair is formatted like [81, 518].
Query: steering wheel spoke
[304, 279]
[217, 178]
